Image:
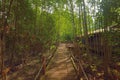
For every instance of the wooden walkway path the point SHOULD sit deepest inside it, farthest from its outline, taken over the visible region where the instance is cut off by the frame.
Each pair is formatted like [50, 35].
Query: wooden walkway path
[60, 67]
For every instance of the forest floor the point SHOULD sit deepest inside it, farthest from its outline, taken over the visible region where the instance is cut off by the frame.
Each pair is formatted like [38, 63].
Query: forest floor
[60, 67]
[26, 72]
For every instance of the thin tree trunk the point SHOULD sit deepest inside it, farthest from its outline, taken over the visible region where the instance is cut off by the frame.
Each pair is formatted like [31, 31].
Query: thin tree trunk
[80, 19]
[35, 23]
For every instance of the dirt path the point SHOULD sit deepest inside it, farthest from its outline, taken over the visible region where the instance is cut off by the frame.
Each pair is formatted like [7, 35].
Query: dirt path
[61, 67]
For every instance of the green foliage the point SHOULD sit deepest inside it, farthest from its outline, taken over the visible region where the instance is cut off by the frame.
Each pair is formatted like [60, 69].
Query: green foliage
[63, 24]
[47, 30]
[113, 37]
[35, 25]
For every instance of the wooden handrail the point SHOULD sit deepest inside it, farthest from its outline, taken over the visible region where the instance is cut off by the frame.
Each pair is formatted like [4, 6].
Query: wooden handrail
[75, 67]
[42, 66]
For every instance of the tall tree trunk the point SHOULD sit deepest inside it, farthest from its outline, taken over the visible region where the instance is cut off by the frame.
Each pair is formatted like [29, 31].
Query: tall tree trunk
[107, 53]
[15, 39]
[35, 23]
[73, 21]
[2, 37]
[80, 18]
[85, 29]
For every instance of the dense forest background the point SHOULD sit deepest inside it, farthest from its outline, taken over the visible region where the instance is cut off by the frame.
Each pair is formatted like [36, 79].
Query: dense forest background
[30, 27]
[40, 19]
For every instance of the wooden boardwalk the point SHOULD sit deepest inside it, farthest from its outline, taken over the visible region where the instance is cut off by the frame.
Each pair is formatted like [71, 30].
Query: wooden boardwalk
[60, 67]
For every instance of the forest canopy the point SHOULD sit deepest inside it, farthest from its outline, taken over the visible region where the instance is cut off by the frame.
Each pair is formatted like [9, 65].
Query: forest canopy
[34, 27]
[47, 21]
